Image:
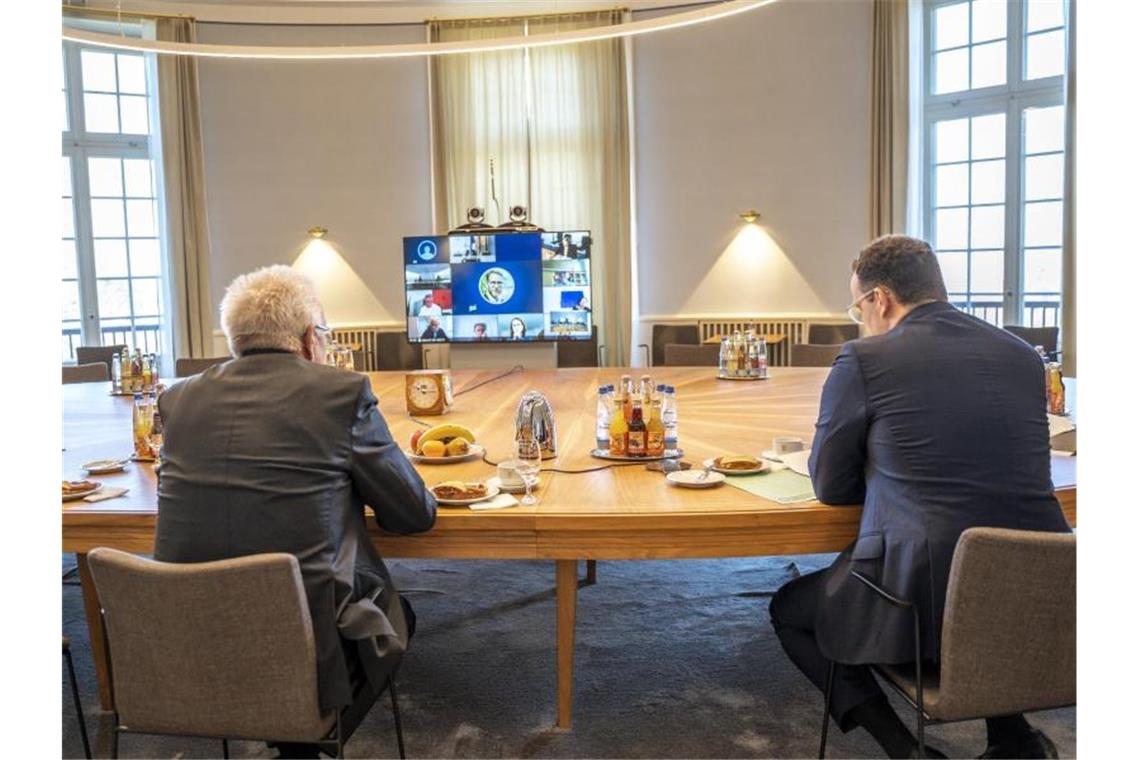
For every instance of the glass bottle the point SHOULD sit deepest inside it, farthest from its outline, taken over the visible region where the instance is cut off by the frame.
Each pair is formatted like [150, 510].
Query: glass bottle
[116, 374]
[669, 417]
[637, 433]
[655, 430]
[761, 356]
[619, 430]
[627, 394]
[602, 434]
[646, 391]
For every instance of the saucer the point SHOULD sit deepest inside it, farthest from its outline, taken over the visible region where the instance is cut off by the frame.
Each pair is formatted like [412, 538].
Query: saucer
[694, 479]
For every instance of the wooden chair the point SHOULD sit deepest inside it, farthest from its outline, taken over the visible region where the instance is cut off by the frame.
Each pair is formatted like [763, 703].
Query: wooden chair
[105, 354]
[95, 372]
[665, 334]
[187, 367]
[685, 355]
[1046, 337]
[579, 353]
[396, 353]
[832, 333]
[1009, 632]
[214, 649]
[812, 355]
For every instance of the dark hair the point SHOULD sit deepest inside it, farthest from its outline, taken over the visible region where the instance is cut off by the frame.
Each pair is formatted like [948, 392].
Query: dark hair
[904, 264]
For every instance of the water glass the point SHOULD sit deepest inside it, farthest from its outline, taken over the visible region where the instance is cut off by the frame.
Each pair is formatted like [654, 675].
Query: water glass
[529, 456]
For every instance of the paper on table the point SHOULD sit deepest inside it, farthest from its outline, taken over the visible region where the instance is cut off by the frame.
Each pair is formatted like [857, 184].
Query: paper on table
[1059, 424]
[797, 461]
[106, 493]
[780, 486]
[499, 502]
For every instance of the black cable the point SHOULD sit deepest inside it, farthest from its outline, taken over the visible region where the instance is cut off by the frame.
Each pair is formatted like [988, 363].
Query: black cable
[576, 472]
[480, 384]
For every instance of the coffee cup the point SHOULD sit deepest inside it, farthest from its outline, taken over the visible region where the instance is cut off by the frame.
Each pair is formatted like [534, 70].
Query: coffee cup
[786, 445]
[509, 477]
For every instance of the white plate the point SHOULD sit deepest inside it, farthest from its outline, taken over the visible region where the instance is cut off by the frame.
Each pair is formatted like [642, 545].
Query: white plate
[492, 492]
[104, 466]
[605, 454]
[81, 494]
[692, 479]
[475, 452]
[497, 482]
[711, 464]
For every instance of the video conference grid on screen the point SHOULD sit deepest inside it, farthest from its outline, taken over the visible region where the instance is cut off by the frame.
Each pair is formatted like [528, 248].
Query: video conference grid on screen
[507, 286]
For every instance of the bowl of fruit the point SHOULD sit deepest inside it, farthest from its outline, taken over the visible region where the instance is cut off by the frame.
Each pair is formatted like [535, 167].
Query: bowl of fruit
[444, 444]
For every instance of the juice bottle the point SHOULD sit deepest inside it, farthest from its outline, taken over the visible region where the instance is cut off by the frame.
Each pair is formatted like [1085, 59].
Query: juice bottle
[619, 431]
[637, 432]
[655, 431]
[627, 394]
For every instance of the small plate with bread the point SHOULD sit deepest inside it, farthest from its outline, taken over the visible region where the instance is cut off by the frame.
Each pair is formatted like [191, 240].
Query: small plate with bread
[461, 493]
[736, 464]
[77, 489]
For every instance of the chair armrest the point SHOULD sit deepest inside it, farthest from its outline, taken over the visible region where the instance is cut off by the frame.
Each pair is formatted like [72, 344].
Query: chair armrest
[882, 592]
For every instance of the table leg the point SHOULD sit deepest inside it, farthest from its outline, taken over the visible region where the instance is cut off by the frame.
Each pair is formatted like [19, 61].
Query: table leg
[566, 584]
[92, 609]
[591, 572]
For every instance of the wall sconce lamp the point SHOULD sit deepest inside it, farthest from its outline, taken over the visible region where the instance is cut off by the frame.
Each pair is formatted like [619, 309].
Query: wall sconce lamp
[318, 232]
[750, 216]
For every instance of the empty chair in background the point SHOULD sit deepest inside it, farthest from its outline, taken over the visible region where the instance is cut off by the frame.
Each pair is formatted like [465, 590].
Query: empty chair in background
[105, 354]
[579, 353]
[666, 334]
[1046, 337]
[684, 355]
[396, 353]
[187, 367]
[828, 334]
[95, 372]
[813, 355]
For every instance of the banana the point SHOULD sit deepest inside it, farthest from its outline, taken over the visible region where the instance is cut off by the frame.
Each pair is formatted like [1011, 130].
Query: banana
[444, 433]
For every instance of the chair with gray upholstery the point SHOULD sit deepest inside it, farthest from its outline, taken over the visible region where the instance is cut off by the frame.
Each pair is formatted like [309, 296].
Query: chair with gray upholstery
[813, 355]
[578, 353]
[395, 352]
[214, 649]
[105, 354]
[684, 355]
[1046, 337]
[832, 333]
[1009, 632]
[665, 334]
[95, 372]
[75, 697]
[187, 367]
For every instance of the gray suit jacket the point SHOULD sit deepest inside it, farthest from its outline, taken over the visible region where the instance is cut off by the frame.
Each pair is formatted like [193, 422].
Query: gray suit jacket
[272, 453]
[935, 427]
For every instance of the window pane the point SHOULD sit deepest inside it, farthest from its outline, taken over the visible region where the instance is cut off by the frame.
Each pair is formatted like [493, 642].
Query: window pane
[950, 228]
[952, 26]
[988, 138]
[67, 256]
[1045, 55]
[951, 71]
[146, 297]
[1044, 14]
[987, 227]
[144, 257]
[140, 218]
[989, 65]
[1044, 129]
[952, 185]
[953, 266]
[114, 299]
[987, 182]
[987, 271]
[1043, 270]
[102, 112]
[68, 219]
[137, 171]
[70, 299]
[1043, 224]
[106, 177]
[1044, 177]
[952, 139]
[66, 177]
[111, 258]
[70, 339]
[98, 71]
[132, 74]
[133, 111]
[66, 116]
[107, 218]
[989, 20]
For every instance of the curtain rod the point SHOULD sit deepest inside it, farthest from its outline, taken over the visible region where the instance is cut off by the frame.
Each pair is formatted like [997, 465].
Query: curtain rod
[83, 10]
[525, 17]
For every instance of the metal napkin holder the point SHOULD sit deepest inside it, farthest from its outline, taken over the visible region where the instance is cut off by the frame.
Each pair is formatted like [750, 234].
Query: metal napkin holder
[534, 420]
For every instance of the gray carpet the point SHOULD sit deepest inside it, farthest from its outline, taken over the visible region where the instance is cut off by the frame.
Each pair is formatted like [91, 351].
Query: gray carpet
[674, 659]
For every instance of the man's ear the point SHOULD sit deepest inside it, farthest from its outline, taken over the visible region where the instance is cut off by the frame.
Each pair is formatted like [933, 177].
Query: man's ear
[307, 347]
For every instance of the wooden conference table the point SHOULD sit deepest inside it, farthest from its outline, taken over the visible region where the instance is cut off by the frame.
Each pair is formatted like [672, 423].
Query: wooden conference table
[623, 512]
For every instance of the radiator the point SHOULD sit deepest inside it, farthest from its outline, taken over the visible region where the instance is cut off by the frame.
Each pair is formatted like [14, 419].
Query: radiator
[368, 339]
[793, 331]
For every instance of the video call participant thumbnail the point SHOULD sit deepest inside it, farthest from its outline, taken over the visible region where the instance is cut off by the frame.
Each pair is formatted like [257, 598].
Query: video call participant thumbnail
[475, 328]
[519, 327]
[429, 328]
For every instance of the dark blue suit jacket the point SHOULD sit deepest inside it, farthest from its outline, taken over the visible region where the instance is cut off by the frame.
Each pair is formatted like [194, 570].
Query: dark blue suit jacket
[936, 426]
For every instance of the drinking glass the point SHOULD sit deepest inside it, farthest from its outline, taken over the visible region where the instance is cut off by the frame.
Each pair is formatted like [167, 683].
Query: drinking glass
[529, 456]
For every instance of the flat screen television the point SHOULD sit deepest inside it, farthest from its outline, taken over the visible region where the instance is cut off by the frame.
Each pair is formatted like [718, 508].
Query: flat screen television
[498, 287]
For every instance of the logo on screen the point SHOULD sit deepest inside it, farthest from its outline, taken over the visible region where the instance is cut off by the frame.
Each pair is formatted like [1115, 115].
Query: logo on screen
[427, 250]
[496, 286]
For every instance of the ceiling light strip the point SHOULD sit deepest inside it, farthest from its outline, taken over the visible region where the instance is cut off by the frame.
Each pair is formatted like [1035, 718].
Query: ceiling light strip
[633, 29]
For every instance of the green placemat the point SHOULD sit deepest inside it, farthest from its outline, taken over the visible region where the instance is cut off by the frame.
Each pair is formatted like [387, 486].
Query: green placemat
[781, 486]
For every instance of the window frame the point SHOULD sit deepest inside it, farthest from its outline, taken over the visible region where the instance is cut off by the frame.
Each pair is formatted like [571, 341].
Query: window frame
[1012, 98]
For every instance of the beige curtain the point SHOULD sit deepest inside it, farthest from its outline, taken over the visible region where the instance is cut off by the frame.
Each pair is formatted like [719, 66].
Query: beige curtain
[1069, 251]
[890, 116]
[556, 122]
[188, 241]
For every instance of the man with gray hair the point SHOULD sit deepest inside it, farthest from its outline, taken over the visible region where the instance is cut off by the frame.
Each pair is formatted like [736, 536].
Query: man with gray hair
[274, 451]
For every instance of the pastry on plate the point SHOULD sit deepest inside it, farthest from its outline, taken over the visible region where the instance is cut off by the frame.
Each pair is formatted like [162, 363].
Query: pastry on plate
[737, 462]
[457, 489]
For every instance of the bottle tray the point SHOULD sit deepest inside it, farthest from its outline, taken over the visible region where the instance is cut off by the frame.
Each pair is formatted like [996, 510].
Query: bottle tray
[605, 454]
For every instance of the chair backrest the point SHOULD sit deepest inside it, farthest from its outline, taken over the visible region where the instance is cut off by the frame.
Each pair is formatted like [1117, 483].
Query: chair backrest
[833, 333]
[187, 367]
[812, 355]
[86, 373]
[394, 352]
[579, 353]
[1009, 631]
[105, 354]
[1046, 337]
[684, 355]
[220, 648]
[665, 334]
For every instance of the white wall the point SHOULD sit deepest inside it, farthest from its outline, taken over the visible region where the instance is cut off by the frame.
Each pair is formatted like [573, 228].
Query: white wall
[769, 110]
[292, 144]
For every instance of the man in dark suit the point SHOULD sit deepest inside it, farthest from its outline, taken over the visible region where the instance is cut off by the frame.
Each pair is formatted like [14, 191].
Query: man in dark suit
[935, 423]
[276, 452]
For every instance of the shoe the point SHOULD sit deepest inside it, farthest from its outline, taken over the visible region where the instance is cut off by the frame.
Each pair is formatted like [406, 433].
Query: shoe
[1033, 745]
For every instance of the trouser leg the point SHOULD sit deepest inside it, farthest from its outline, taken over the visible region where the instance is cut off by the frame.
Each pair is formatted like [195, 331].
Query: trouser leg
[792, 610]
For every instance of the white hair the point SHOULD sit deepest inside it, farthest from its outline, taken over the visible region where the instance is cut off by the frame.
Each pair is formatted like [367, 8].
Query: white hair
[271, 307]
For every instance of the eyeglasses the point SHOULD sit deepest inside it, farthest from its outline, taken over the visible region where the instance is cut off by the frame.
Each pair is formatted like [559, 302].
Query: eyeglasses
[325, 331]
[855, 310]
